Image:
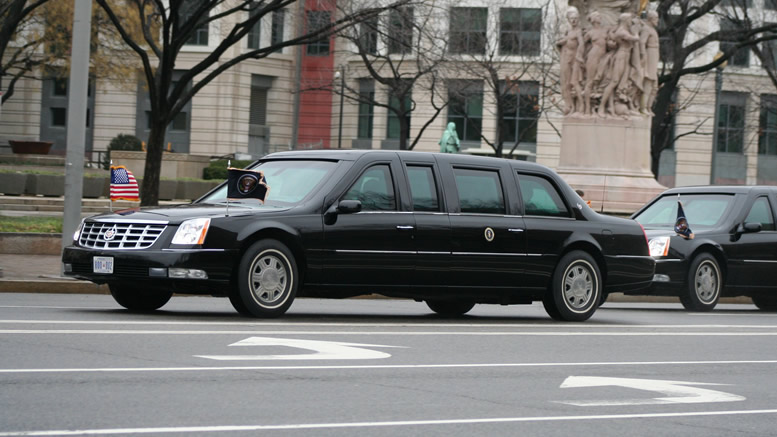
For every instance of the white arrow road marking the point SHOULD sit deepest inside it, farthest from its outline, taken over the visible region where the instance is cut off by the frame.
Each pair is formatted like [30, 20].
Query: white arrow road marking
[322, 350]
[677, 392]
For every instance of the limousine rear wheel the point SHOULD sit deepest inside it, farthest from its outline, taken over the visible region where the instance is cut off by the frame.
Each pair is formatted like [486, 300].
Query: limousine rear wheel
[267, 279]
[450, 308]
[143, 298]
[575, 293]
[704, 284]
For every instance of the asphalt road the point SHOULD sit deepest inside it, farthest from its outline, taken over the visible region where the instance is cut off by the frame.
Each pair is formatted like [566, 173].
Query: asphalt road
[80, 365]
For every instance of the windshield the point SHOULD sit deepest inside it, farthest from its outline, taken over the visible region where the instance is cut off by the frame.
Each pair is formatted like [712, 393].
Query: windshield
[289, 182]
[703, 211]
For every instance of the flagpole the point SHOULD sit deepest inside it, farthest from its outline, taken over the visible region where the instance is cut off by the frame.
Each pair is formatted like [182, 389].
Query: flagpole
[229, 164]
[110, 176]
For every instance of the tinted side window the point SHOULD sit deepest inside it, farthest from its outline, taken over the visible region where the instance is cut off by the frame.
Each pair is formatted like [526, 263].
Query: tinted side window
[374, 190]
[761, 212]
[540, 197]
[423, 188]
[480, 191]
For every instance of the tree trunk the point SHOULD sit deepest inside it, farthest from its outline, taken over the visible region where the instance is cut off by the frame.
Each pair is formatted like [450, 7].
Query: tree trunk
[149, 191]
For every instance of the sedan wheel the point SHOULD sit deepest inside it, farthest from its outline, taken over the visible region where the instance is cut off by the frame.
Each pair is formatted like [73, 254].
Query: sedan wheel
[140, 298]
[576, 290]
[448, 308]
[704, 284]
[267, 280]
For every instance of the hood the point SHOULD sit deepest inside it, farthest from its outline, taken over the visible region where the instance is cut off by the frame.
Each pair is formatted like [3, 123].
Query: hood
[178, 213]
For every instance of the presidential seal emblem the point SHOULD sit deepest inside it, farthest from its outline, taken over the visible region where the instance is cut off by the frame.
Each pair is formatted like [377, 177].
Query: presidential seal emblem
[489, 234]
[110, 233]
[247, 183]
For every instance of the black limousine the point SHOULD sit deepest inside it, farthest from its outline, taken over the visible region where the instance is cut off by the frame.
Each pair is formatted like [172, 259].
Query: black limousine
[451, 230]
[733, 251]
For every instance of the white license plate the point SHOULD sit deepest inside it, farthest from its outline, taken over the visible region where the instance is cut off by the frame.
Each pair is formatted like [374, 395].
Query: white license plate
[103, 264]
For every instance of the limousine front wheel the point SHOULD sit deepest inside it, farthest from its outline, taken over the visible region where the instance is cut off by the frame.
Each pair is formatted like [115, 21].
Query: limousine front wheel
[267, 279]
[140, 298]
[576, 289]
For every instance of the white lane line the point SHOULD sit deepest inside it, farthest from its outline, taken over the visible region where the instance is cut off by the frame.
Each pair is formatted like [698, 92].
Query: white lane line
[393, 333]
[300, 426]
[484, 324]
[387, 366]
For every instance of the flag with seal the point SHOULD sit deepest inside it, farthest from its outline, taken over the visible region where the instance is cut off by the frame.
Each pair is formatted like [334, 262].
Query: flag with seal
[123, 184]
[681, 225]
[246, 184]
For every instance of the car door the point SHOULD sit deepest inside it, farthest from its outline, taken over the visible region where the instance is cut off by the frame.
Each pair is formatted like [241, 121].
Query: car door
[433, 227]
[549, 225]
[488, 244]
[375, 245]
[753, 255]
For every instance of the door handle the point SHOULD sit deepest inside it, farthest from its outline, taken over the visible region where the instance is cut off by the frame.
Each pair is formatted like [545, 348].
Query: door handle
[515, 230]
[405, 228]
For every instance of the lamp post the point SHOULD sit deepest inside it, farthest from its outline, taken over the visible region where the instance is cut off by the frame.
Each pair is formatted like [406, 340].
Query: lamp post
[340, 74]
[718, 86]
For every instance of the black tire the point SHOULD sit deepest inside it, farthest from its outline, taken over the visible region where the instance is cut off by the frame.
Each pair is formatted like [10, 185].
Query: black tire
[450, 308]
[705, 284]
[267, 280]
[576, 290]
[765, 303]
[140, 298]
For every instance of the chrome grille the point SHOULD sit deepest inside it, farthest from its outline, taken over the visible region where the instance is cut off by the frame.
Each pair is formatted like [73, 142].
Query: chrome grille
[114, 236]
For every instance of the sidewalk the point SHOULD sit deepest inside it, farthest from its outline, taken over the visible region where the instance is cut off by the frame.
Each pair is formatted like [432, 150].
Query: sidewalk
[40, 274]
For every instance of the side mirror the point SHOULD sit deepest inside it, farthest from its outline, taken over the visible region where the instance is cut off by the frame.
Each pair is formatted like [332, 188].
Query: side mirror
[750, 227]
[349, 207]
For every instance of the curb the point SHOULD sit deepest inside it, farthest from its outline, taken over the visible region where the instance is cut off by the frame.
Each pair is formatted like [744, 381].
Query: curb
[60, 286]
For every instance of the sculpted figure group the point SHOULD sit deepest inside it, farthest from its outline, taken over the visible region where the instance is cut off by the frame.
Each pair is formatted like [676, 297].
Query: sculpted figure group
[609, 71]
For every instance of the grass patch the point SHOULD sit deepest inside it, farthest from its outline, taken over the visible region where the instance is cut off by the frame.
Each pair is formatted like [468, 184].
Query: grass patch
[31, 224]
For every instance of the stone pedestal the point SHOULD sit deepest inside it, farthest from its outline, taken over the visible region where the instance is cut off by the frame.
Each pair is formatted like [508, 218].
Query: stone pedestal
[609, 159]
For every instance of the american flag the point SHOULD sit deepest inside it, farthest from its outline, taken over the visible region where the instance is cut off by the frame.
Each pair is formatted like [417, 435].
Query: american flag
[123, 184]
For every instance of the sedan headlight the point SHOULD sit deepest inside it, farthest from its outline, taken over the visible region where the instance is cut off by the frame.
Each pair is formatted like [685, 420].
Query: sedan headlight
[77, 233]
[192, 231]
[659, 246]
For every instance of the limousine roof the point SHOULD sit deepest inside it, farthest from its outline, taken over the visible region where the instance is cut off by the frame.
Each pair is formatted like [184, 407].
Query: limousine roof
[354, 154]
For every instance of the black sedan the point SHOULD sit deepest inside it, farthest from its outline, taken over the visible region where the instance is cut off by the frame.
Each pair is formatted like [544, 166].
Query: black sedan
[733, 251]
[450, 230]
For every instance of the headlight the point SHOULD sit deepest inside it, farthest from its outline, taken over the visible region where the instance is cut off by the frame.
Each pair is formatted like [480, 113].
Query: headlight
[659, 246]
[192, 231]
[77, 233]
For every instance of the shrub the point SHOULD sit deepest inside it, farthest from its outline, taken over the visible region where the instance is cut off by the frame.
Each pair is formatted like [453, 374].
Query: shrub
[218, 169]
[122, 142]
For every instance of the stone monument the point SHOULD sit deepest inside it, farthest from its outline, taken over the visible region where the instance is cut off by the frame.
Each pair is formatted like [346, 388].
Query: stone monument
[608, 69]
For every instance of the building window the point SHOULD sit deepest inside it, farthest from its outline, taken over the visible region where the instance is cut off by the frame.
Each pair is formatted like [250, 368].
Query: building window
[200, 35]
[468, 30]
[254, 35]
[278, 19]
[393, 129]
[741, 58]
[258, 112]
[366, 108]
[519, 31]
[368, 36]
[521, 112]
[770, 4]
[465, 108]
[666, 41]
[767, 132]
[58, 117]
[318, 20]
[400, 32]
[60, 86]
[731, 122]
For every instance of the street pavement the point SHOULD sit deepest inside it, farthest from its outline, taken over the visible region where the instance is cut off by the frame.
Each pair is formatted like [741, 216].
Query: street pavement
[40, 274]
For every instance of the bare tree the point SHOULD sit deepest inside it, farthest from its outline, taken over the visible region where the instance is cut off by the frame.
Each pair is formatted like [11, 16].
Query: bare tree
[505, 65]
[684, 39]
[403, 50]
[17, 16]
[168, 25]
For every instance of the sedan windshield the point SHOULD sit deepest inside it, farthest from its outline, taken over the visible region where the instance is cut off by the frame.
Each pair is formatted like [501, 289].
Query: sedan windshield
[703, 211]
[289, 182]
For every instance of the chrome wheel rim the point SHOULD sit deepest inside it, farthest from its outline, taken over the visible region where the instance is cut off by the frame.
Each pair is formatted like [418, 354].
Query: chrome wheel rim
[707, 282]
[579, 285]
[269, 278]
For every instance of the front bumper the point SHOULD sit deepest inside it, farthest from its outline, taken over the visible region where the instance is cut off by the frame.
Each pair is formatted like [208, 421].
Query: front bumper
[151, 267]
